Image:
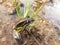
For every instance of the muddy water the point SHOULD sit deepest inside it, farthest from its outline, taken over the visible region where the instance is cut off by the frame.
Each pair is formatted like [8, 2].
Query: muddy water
[6, 28]
[51, 12]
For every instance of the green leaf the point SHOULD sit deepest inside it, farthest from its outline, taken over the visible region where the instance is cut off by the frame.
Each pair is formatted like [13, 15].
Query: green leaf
[18, 10]
[28, 9]
[38, 10]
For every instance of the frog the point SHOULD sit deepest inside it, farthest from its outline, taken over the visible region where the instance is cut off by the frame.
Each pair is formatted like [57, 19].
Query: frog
[23, 23]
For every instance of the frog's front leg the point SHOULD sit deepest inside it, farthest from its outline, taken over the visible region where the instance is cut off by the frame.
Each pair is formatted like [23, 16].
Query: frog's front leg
[16, 34]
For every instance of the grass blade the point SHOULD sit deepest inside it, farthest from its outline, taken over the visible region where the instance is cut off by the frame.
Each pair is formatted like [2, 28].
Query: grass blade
[38, 10]
[28, 8]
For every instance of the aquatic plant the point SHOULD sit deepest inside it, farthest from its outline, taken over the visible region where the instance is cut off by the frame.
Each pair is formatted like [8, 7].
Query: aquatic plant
[26, 14]
[19, 10]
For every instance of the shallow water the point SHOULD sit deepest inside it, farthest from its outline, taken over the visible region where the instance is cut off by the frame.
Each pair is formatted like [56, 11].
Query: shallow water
[52, 13]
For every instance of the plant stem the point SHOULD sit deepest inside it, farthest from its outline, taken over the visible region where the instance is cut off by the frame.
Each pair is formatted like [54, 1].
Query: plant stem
[38, 10]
